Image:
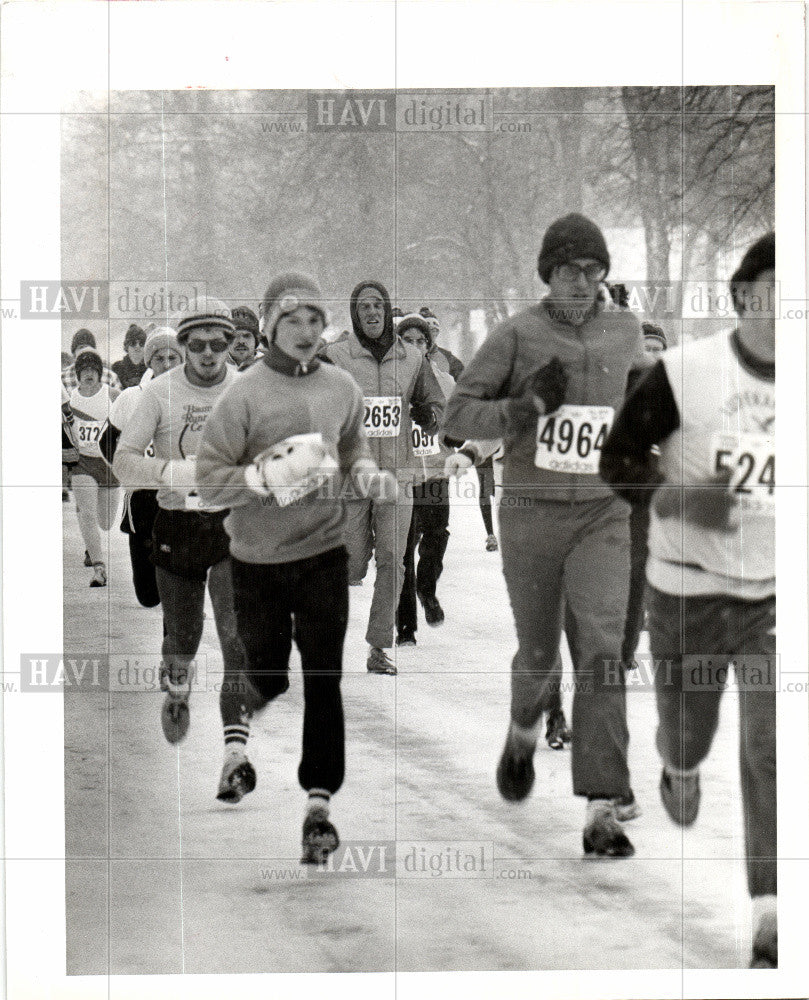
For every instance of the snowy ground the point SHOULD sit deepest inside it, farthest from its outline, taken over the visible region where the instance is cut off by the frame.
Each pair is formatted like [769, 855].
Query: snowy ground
[162, 878]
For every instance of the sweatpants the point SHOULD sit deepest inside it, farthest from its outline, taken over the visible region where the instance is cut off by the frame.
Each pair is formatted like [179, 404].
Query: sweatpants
[379, 529]
[429, 530]
[577, 553]
[636, 604]
[485, 471]
[313, 594]
[96, 507]
[183, 601]
[693, 639]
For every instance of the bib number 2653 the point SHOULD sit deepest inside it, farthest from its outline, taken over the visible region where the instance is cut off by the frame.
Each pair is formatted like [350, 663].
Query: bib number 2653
[383, 416]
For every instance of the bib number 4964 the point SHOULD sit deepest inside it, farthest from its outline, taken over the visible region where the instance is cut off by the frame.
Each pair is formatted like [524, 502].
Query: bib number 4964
[571, 439]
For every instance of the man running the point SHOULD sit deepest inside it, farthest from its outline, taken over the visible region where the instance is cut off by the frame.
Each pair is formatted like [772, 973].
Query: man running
[190, 545]
[429, 525]
[94, 486]
[284, 429]
[83, 340]
[400, 390]
[709, 406]
[161, 353]
[132, 366]
[245, 341]
[547, 380]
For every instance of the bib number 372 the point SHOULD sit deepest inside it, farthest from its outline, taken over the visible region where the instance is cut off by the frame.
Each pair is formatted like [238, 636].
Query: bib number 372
[383, 416]
[571, 439]
[750, 458]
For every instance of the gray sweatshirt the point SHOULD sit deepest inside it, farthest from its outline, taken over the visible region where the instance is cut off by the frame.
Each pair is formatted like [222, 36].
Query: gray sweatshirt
[267, 403]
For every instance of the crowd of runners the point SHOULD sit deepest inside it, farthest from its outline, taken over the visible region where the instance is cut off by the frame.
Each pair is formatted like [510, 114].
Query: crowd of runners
[270, 465]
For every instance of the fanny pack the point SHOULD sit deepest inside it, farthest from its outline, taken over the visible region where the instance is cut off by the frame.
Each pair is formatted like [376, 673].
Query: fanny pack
[188, 542]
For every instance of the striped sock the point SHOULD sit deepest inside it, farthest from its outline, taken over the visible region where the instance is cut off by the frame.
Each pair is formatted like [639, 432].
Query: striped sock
[236, 737]
[319, 799]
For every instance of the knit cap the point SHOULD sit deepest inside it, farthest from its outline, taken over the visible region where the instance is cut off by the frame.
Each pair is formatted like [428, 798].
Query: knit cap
[760, 257]
[89, 359]
[652, 331]
[414, 320]
[245, 319]
[134, 335]
[82, 338]
[206, 311]
[159, 339]
[571, 237]
[286, 293]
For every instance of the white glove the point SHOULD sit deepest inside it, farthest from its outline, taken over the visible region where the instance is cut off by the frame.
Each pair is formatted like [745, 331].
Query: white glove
[456, 465]
[374, 483]
[180, 474]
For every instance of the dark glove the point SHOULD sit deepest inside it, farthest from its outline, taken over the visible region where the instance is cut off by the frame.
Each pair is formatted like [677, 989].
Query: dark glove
[707, 505]
[549, 383]
[423, 415]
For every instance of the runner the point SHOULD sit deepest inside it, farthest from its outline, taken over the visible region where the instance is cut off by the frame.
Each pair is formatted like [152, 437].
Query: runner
[400, 389]
[161, 353]
[190, 546]
[284, 428]
[131, 368]
[429, 525]
[244, 344]
[654, 343]
[709, 406]
[94, 486]
[547, 380]
[83, 340]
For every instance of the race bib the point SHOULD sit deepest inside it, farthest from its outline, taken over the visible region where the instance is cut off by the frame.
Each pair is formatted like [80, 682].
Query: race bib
[424, 444]
[383, 416]
[571, 439]
[751, 461]
[88, 434]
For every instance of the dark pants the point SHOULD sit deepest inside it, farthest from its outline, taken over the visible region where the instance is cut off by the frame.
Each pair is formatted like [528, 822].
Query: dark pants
[577, 555]
[710, 632]
[140, 510]
[429, 529]
[183, 601]
[638, 553]
[314, 593]
[485, 473]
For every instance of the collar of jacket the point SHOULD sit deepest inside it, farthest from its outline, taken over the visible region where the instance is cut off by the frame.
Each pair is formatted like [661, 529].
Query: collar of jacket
[276, 359]
[358, 350]
[552, 315]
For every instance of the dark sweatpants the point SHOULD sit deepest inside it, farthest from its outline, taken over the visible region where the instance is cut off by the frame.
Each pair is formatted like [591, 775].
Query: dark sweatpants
[636, 605]
[485, 471]
[314, 593]
[710, 632]
[429, 529]
[140, 511]
[577, 553]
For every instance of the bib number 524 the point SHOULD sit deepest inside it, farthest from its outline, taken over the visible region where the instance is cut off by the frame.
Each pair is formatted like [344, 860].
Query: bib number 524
[750, 459]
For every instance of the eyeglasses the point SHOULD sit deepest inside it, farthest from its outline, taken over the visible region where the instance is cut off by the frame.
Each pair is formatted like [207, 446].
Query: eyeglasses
[571, 272]
[197, 346]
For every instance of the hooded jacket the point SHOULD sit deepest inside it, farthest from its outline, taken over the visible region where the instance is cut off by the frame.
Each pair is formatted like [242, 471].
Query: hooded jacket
[393, 376]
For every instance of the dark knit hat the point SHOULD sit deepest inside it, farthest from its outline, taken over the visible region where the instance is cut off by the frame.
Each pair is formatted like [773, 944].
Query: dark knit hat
[134, 335]
[760, 257]
[89, 359]
[414, 320]
[654, 332]
[285, 293]
[245, 319]
[82, 338]
[569, 238]
[396, 312]
[206, 311]
[427, 313]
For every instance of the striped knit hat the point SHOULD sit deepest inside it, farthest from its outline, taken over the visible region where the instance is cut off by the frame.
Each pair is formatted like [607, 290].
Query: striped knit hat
[206, 311]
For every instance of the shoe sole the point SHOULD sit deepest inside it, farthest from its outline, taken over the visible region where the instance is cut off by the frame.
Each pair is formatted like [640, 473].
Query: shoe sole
[175, 718]
[592, 853]
[386, 671]
[240, 782]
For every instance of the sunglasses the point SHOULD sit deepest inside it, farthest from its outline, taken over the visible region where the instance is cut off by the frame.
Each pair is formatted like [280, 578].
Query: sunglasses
[571, 272]
[197, 346]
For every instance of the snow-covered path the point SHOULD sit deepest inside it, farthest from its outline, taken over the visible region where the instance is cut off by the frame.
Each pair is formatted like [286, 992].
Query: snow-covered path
[186, 883]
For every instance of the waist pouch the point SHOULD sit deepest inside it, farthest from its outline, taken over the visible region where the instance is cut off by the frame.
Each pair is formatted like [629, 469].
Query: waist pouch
[188, 542]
